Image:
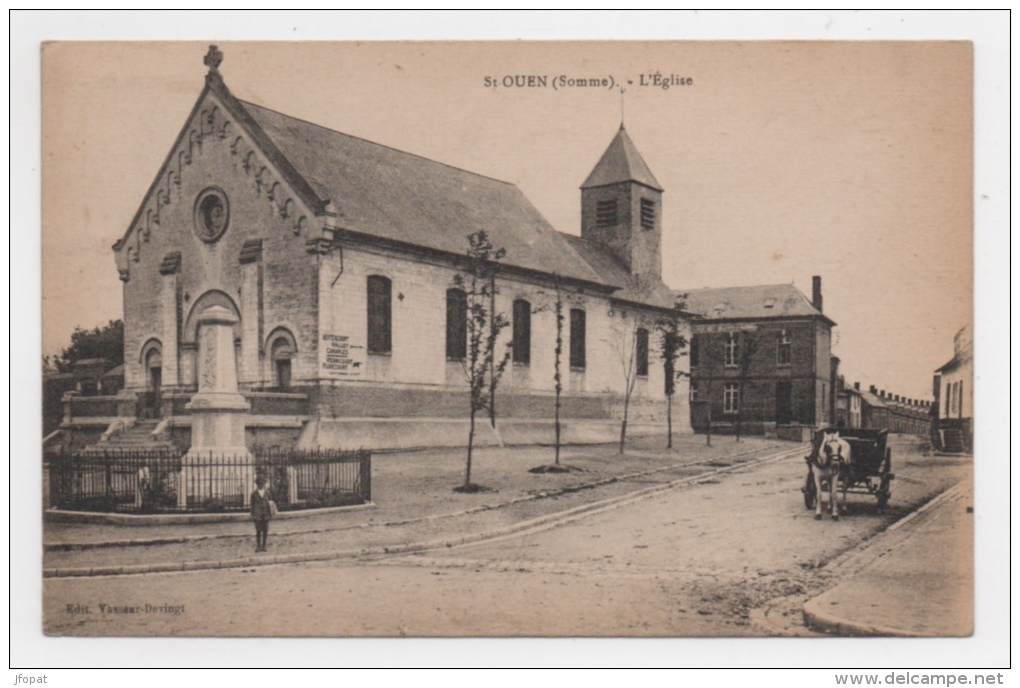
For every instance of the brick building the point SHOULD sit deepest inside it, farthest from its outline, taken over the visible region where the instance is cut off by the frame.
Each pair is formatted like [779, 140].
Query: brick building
[338, 257]
[760, 357]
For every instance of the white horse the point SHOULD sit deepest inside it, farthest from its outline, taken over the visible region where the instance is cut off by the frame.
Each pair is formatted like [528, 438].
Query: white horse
[832, 458]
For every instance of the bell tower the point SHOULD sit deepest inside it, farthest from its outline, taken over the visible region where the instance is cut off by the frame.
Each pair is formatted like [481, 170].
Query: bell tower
[621, 207]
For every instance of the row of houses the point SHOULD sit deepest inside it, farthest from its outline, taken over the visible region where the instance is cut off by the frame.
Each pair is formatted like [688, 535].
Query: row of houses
[875, 409]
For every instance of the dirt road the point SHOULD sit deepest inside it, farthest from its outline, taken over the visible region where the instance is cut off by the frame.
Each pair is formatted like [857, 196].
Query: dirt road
[690, 562]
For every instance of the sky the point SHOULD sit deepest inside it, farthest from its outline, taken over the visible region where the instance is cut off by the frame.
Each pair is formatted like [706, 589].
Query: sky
[781, 160]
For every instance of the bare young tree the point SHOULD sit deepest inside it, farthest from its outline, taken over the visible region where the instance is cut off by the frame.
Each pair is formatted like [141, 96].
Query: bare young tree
[750, 342]
[626, 341]
[558, 363]
[672, 345]
[484, 365]
[558, 303]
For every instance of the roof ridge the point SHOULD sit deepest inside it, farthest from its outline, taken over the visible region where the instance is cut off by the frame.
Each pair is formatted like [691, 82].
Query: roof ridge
[246, 104]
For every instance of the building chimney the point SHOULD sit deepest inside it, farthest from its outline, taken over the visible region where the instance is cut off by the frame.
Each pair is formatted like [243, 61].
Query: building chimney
[816, 292]
[857, 386]
[881, 393]
[873, 389]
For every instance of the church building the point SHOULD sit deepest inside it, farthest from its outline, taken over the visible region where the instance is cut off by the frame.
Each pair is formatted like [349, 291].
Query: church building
[338, 257]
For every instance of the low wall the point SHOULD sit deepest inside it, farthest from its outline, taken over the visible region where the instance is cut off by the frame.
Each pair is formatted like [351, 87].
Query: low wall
[412, 433]
[270, 432]
[796, 433]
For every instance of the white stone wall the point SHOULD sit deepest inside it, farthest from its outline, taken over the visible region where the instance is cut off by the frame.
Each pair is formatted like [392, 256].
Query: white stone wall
[418, 354]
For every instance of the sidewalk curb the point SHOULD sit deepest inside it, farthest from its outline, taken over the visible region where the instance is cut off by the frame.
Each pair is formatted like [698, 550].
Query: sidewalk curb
[156, 520]
[541, 522]
[816, 619]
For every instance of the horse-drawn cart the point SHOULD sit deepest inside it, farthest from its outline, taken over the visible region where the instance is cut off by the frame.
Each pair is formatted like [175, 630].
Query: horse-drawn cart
[867, 472]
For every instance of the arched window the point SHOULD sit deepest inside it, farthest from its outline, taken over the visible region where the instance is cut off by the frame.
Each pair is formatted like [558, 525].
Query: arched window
[522, 332]
[641, 353]
[577, 339]
[282, 349]
[380, 329]
[281, 354]
[456, 325]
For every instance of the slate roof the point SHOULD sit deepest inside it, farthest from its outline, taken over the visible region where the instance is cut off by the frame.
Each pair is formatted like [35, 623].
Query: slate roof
[612, 270]
[621, 163]
[873, 399]
[390, 194]
[740, 303]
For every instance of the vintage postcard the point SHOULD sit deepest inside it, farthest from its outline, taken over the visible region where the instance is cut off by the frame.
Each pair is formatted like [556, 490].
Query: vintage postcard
[600, 339]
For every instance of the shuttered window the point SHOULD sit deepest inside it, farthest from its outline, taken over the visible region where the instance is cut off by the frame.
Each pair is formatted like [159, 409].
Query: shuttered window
[577, 339]
[647, 214]
[456, 325]
[380, 324]
[522, 332]
[641, 344]
[605, 213]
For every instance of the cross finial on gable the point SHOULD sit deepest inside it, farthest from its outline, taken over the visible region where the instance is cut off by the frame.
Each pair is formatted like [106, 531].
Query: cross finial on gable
[213, 58]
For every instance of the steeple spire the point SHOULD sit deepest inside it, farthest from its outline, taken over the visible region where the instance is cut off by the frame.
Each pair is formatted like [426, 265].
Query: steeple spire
[621, 163]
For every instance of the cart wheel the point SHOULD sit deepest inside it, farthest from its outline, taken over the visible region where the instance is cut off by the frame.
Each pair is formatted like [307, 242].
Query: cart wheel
[809, 491]
[883, 494]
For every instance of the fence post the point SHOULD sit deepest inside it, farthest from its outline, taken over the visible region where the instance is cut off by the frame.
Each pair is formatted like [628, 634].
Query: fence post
[365, 469]
[182, 489]
[292, 491]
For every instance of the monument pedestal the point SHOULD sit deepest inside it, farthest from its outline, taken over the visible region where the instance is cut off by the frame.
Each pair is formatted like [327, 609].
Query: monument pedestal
[218, 466]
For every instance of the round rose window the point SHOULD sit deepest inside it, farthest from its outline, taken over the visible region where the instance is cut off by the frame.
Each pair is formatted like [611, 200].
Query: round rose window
[212, 213]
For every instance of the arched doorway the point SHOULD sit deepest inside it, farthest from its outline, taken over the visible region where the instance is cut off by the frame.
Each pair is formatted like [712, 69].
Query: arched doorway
[281, 364]
[152, 367]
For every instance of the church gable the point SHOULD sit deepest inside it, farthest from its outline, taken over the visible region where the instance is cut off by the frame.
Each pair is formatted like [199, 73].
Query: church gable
[218, 143]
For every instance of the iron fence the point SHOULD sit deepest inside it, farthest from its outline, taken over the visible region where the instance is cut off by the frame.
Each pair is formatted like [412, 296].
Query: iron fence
[167, 481]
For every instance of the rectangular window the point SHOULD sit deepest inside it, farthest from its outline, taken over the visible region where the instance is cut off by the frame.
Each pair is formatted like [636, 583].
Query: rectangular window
[694, 390]
[946, 414]
[577, 344]
[731, 398]
[522, 332]
[695, 350]
[783, 348]
[731, 350]
[456, 325]
[605, 213]
[641, 353]
[647, 214]
[380, 340]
